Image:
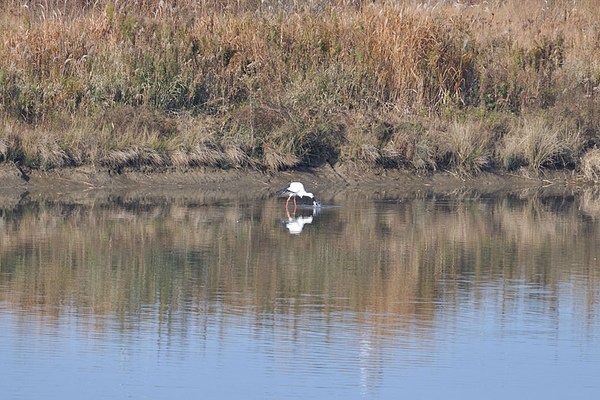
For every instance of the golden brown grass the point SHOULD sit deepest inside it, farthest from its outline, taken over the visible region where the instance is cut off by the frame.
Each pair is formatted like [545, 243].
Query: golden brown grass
[469, 146]
[275, 85]
[536, 142]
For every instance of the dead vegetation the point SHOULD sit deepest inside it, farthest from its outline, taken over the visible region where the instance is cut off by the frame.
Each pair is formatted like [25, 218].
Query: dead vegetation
[461, 86]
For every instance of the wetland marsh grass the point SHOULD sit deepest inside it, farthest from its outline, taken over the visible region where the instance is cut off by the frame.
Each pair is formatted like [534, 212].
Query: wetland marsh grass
[423, 85]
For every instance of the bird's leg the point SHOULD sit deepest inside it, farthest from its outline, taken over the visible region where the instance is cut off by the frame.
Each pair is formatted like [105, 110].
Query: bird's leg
[294, 204]
[287, 202]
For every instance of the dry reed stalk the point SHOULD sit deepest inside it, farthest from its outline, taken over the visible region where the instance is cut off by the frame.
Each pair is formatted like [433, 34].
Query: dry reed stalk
[133, 71]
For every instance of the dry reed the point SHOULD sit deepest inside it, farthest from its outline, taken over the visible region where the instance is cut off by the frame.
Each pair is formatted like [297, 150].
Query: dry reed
[278, 85]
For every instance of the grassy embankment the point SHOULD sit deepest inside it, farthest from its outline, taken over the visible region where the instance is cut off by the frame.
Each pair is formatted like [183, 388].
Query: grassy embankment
[499, 85]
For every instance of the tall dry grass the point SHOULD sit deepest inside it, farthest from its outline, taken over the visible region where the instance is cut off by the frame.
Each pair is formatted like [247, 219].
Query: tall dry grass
[274, 85]
[537, 142]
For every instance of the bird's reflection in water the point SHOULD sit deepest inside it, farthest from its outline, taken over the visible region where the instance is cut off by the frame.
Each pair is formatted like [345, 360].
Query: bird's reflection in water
[295, 223]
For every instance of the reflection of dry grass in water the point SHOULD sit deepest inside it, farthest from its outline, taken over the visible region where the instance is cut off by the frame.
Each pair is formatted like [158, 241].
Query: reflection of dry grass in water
[590, 164]
[590, 202]
[118, 259]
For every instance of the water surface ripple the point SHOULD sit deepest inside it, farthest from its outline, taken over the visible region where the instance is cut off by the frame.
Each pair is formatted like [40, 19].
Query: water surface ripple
[195, 297]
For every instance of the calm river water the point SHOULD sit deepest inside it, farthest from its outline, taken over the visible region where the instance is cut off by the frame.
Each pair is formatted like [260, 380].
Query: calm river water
[199, 297]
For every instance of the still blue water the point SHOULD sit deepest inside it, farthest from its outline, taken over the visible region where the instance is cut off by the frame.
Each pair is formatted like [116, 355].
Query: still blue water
[370, 298]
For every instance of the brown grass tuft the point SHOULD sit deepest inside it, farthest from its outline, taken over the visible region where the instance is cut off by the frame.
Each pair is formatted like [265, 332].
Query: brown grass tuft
[469, 145]
[537, 142]
[204, 155]
[135, 157]
[277, 160]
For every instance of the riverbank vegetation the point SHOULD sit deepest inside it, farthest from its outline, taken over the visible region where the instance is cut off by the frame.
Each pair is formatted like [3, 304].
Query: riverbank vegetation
[463, 86]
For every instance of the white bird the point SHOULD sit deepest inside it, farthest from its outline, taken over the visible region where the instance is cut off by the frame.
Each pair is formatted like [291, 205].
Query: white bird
[294, 190]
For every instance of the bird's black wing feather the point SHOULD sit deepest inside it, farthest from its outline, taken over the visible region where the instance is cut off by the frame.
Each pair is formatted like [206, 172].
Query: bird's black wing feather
[283, 191]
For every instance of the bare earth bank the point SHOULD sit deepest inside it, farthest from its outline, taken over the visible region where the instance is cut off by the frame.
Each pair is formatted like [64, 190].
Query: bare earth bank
[326, 182]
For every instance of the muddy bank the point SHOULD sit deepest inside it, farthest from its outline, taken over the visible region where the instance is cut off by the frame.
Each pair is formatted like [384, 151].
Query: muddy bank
[327, 183]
